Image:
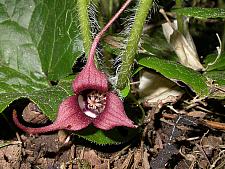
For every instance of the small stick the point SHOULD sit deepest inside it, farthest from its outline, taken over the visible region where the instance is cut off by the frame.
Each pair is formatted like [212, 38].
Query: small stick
[214, 124]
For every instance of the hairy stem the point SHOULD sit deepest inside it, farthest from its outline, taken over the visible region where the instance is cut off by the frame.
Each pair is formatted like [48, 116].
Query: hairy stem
[82, 7]
[179, 17]
[133, 40]
[100, 34]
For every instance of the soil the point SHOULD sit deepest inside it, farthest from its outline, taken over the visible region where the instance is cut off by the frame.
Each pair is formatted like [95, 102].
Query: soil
[184, 135]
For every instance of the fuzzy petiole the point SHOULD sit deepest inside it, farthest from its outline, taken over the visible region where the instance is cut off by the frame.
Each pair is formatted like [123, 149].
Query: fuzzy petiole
[132, 44]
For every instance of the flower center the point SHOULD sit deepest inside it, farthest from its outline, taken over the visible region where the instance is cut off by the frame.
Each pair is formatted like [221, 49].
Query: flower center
[92, 103]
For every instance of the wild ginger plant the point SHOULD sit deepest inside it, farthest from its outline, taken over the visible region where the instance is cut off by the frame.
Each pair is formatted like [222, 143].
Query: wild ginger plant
[39, 59]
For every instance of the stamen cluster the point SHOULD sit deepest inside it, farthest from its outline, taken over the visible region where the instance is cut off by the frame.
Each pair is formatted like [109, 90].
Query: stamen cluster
[96, 101]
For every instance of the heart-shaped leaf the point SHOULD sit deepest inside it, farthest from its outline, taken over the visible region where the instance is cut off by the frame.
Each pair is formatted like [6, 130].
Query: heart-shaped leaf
[39, 40]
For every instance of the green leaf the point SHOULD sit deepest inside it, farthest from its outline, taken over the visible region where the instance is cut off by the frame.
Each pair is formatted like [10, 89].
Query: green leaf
[3, 13]
[54, 31]
[137, 70]
[12, 81]
[23, 27]
[15, 86]
[217, 76]
[124, 92]
[175, 72]
[201, 13]
[19, 11]
[33, 34]
[214, 62]
[18, 52]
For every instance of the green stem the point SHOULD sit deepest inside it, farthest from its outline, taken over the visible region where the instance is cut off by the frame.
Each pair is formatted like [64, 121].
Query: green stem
[133, 40]
[82, 7]
[179, 3]
[179, 17]
[110, 12]
[110, 7]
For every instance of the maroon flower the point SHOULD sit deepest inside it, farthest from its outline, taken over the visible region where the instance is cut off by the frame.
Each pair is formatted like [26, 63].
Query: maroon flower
[92, 103]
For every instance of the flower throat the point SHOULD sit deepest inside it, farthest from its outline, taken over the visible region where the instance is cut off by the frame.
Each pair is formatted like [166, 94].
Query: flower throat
[92, 102]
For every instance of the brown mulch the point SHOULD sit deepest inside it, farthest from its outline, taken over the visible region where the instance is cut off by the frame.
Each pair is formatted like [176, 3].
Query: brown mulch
[183, 136]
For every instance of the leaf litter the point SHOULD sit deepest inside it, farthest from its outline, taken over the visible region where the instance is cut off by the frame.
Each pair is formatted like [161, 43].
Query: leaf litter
[181, 134]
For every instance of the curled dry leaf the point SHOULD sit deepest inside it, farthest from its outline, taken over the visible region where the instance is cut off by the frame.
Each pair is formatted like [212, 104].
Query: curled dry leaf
[155, 89]
[182, 44]
[32, 114]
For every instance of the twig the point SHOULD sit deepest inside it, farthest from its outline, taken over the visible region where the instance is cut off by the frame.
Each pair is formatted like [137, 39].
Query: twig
[219, 88]
[222, 164]
[215, 125]
[18, 137]
[82, 153]
[169, 116]
[72, 155]
[119, 153]
[203, 152]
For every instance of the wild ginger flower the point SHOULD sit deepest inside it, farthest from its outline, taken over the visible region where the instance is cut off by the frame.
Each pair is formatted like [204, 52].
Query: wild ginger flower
[92, 101]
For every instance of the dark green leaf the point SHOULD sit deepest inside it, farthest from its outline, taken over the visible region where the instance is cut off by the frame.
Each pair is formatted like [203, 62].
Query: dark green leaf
[46, 98]
[201, 13]
[176, 71]
[12, 81]
[157, 44]
[137, 70]
[115, 136]
[34, 34]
